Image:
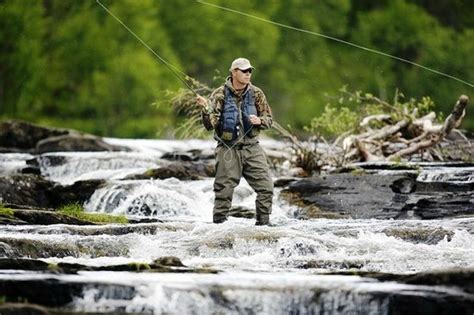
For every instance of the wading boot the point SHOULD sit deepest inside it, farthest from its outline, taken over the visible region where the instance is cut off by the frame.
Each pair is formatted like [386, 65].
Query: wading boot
[218, 219]
[263, 219]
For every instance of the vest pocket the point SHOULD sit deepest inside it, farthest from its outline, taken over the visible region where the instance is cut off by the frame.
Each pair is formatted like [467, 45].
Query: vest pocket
[229, 124]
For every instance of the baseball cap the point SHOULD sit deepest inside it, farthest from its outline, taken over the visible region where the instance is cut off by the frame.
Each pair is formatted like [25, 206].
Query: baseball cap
[241, 63]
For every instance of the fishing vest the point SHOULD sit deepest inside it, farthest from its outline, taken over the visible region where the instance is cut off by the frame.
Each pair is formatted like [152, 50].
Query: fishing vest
[230, 118]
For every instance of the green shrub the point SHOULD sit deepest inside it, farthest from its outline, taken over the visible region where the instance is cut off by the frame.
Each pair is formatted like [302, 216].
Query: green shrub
[345, 115]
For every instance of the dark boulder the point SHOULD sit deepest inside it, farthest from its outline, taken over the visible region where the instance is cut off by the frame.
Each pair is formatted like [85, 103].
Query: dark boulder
[26, 189]
[23, 264]
[20, 136]
[181, 171]
[75, 143]
[23, 136]
[79, 192]
[37, 192]
[55, 293]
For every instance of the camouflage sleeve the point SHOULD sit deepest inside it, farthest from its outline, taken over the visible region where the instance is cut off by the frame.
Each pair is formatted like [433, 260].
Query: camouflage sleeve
[211, 113]
[263, 109]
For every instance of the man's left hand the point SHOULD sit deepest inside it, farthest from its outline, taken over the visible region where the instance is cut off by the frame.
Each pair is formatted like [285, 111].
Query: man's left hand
[254, 120]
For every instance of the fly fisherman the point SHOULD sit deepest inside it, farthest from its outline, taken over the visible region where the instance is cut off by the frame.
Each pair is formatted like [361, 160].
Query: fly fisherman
[237, 111]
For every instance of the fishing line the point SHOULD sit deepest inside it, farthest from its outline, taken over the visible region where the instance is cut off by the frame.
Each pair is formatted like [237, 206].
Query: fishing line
[172, 68]
[337, 40]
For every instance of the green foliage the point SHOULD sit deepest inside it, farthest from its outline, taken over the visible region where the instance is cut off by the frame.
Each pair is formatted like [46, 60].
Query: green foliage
[21, 54]
[71, 64]
[334, 121]
[77, 211]
[351, 108]
[183, 101]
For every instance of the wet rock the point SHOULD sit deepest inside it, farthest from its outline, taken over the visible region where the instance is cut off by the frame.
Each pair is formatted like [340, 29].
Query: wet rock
[284, 181]
[430, 236]
[331, 264]
[37, 192]
[75, 143]
[436, 205]
[57, 293]
[27, 189]
[19, 136]
[31, 170]
[162, 264]
[169, 261]
[181, 171]
[404, 185]
[22, 308]
[38, 249]
[180, 156]
[462, 278]
[380, 196]
[79, 192]
[41, 217]
[23, 264]
[144, 220]
[34, 248]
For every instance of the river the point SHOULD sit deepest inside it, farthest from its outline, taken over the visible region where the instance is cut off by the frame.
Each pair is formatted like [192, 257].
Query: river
[285, 269]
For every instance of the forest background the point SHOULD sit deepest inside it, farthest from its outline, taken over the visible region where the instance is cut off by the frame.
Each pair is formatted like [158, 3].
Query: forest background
[70, 64]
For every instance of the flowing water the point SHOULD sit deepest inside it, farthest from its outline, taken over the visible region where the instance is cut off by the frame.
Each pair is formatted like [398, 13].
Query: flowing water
[264, 270]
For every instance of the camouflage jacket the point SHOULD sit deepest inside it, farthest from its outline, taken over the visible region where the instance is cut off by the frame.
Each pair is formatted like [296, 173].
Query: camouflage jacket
[212, 113]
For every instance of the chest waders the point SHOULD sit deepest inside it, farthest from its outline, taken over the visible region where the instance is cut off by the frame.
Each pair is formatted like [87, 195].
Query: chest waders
[248, 161]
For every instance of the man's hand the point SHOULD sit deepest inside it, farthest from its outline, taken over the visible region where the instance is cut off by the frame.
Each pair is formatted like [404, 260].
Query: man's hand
[201, 100]
[254, 120]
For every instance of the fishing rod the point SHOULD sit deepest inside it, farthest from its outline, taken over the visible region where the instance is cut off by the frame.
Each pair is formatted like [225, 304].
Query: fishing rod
[336, 40]
[176, 72]
[171, 67]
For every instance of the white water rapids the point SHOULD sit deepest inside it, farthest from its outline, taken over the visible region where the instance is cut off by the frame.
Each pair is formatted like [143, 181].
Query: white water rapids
[265, 270]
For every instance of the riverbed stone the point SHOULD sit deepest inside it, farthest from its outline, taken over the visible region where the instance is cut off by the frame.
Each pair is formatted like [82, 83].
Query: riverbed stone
[380, 196]
[75, 143]
[21, 136]
[26, 189]
[181, 171]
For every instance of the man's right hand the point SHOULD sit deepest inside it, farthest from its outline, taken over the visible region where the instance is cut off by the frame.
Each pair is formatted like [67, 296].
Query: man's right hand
[201, 100]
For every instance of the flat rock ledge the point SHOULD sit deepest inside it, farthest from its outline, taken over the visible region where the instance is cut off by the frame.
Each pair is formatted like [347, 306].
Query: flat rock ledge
[442, 292]
[379, 196]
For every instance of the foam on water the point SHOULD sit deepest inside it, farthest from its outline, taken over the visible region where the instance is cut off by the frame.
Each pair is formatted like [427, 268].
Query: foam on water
[95, 165]
[321, 245]
[12, 163]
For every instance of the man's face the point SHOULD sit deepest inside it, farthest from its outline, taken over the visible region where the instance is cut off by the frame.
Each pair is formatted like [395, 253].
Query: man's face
[242, 76]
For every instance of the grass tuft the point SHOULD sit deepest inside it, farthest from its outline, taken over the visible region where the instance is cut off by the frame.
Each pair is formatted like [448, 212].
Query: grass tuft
[77, 211]
[4, 211]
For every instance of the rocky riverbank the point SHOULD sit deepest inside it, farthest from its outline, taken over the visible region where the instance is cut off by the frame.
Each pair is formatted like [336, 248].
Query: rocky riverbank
[73, 259]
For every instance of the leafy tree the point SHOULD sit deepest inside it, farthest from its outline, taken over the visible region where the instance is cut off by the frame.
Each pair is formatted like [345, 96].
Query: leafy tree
[21, 55]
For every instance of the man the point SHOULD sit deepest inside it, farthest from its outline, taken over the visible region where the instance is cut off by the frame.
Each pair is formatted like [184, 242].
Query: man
[237, 111]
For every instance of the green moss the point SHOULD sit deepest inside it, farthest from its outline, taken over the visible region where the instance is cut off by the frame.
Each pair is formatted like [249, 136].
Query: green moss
[53, 267]
[4, 211]
[77, 211]
[358, 171]
[139, 266]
